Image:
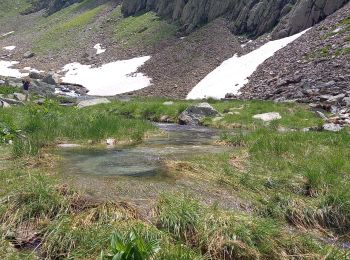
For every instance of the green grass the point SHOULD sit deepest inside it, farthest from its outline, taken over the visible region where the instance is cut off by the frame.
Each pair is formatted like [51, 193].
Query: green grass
[146, 29]
[5, 90]
[293, 115]
[293, 186]
[61, 29]
[40, 126]
[309, 171]
[228, 234]
[10, 8]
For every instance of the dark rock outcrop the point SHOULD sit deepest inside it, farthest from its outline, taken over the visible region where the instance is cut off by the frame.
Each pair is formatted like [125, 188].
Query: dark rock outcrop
[194, 115]
[246, 16]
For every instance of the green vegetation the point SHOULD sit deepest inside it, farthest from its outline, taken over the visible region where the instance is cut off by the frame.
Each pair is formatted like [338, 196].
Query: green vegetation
[5, 90]
[10, 8]
[292, 187]
[39, 126]
[131, 246]
[146, 29]
[57, 34]
[239, 114]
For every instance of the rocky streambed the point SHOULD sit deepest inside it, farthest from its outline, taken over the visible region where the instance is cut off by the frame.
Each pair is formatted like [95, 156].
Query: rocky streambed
[138, 174]
[143, 160]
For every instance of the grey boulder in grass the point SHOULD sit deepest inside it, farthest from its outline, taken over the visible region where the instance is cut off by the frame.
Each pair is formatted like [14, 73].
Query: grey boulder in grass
[193, 115]
[92, 102]
[268, 117]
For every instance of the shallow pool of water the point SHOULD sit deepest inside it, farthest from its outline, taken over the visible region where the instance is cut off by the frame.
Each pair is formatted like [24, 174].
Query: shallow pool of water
[146, 159]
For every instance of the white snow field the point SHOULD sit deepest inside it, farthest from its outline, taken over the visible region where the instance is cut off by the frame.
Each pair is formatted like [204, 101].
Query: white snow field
[99, 49]
[9, 48]
[7, 70]
[232, 74]
[110, 79]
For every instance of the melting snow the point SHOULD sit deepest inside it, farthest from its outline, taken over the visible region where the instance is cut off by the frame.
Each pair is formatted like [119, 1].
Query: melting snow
[70, 93]
[99, 49]
[8, 33]
[232, 74]
[33, 70]
[109, 79]
[7, 70]
[9, 48]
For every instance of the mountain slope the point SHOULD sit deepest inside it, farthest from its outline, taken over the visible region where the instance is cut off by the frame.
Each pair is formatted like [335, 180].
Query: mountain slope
[316, 64]
[178, 61]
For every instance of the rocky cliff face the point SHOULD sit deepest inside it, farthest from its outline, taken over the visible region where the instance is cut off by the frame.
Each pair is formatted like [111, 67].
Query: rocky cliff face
[252, 17]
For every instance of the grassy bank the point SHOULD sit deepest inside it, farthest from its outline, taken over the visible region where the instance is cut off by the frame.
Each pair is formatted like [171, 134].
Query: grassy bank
[294, 186]
[37, 126]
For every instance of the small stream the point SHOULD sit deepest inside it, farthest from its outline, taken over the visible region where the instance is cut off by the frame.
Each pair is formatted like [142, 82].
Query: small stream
[146, 159]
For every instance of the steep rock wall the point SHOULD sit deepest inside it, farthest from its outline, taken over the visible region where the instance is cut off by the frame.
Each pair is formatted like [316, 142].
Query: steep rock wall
[252, 17]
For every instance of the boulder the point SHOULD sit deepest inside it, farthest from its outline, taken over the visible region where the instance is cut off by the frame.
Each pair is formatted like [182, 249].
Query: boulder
[332, 127]
[28, 55]
[92, 102]
[19, 96]
[4, 104]
[193, 115]
[36, 75]
[230, 96]
[11, 101]
[49, 80]
[268, 117]
[346, 101]
[41, 88]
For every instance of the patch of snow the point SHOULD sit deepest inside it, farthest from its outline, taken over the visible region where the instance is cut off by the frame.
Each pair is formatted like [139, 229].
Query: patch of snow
[110, 79]
[99, 49]
[69, 93]
[7, 70]
[32, 70]
[338, 29]
[245, 44]
[232, 74]
[8, 33]
[9, 48]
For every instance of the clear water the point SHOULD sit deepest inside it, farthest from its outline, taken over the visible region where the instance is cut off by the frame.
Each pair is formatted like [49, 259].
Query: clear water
[145, 159]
